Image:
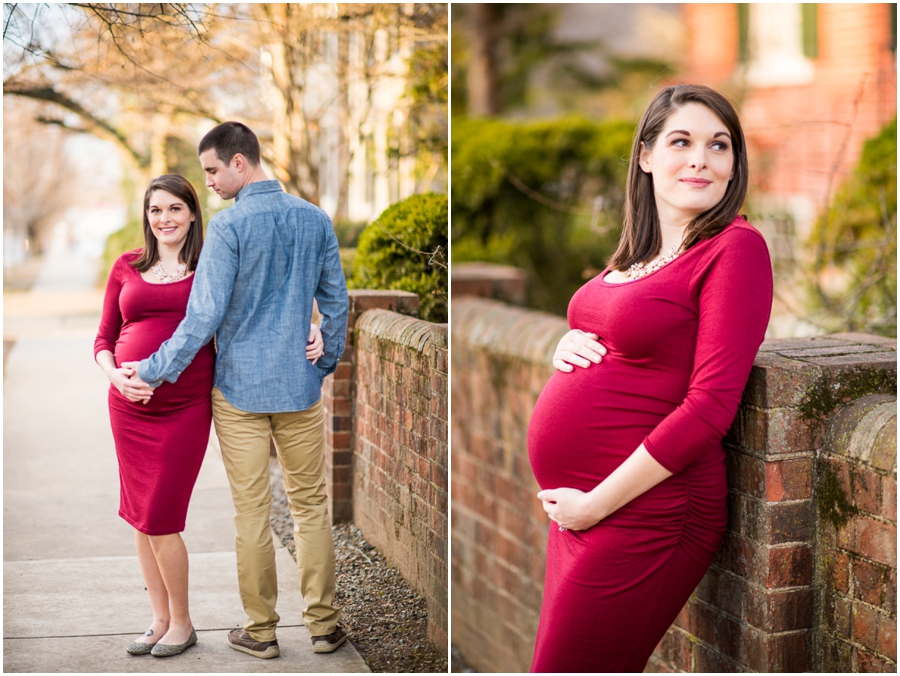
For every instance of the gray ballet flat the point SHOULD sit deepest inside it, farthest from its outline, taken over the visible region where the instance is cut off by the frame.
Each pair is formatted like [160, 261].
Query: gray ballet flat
[139, 648]
[160, 650]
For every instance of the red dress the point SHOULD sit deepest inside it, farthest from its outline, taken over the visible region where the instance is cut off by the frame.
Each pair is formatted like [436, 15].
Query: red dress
[160, 445]
[681, 342]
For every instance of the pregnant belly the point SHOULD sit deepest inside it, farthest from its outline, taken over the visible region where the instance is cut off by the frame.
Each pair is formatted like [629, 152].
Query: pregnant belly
[587, 422]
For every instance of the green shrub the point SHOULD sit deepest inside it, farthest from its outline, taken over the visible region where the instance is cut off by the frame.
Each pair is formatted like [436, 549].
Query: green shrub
[857, 234]
[405, 249]
[543, 196]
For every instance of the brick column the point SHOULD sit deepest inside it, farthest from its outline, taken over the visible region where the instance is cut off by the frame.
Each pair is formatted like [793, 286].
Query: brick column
[758, 608]
[488, 280]
[338, 395]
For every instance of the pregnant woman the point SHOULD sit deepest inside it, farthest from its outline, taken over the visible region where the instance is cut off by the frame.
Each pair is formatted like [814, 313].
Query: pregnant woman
[627, 447]
[160, 439]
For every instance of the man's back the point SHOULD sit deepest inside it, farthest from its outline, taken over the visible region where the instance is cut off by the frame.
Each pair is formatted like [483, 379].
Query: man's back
[264, 260]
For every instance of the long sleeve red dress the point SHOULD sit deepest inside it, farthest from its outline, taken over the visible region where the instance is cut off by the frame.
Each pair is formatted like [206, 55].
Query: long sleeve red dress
[160, 445]
[681, 342]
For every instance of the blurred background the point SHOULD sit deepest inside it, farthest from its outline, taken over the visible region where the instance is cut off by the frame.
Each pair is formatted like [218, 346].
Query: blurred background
[546, 98]
[349, 102]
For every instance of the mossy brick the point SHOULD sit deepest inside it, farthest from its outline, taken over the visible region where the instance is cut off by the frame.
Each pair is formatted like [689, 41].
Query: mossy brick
[866, 489]
[778, 381]
[836, 612]
[837, 656]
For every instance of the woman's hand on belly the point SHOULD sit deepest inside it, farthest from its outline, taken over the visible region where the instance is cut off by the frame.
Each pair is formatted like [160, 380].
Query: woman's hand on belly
[569, 508]
[579, 348]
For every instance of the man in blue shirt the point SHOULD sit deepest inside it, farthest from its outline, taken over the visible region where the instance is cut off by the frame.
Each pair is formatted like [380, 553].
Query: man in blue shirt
[264, 261]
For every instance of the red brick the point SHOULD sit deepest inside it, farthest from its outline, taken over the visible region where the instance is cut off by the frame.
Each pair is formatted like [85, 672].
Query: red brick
[873, 664]
[788, 653]
[868, 582]
[866, 489]
[790, 610]
[887, 636]
[865, 625]
[873, 539]
[789, 566]
[675, 650]
[837, 571]
[729, 636]
[890, 591]
[705, 622]
[888, 498]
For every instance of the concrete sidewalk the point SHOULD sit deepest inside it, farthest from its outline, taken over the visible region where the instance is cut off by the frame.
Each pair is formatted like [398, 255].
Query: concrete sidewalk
[73, 592]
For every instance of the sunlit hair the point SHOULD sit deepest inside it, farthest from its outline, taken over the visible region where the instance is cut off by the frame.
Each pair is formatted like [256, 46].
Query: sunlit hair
[641, 239]
[181, 188]
[230, 138]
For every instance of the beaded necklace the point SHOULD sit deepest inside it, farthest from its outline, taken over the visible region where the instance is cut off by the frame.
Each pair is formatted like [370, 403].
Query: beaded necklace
[638, 270]
[165, 278]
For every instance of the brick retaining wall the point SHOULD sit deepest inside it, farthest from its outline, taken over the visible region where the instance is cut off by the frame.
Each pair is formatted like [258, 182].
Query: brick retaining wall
[760, 608]
[386, 441]
[400, 451]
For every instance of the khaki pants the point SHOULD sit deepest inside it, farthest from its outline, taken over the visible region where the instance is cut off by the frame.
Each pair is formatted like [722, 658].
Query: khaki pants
[300, 441]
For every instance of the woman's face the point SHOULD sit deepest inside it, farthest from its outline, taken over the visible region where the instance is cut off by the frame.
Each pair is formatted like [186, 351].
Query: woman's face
[691, 162]
[170, 219]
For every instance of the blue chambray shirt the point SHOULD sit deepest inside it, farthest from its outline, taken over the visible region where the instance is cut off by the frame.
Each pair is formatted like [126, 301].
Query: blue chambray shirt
[263, 261]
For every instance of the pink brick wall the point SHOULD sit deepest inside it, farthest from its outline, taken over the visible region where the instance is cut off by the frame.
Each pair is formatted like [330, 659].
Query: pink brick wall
[400, 451]
[760, 607]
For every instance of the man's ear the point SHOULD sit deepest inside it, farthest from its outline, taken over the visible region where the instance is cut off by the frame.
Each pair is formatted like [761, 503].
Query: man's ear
[239, 162]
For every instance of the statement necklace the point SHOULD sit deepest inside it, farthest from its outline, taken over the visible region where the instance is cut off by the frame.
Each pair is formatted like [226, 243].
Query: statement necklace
[161, 275]
[638, 270]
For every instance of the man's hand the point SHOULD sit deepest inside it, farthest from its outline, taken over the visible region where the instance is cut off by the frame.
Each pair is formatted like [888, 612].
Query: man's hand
[315, 346]
[569, 508]
[579, 348]
[134, 388]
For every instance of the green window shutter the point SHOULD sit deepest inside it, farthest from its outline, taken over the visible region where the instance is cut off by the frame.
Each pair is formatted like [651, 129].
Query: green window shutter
[810, 30]
[894, 27]
[743, 21]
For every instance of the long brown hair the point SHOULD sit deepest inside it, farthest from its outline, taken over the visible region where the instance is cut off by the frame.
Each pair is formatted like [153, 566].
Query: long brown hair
[641, 239]
[190, 252]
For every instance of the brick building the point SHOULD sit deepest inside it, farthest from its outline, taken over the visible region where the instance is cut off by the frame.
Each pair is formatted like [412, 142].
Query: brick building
[813, 82]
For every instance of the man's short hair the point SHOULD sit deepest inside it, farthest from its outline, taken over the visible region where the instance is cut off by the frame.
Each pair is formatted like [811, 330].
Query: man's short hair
[230, 138]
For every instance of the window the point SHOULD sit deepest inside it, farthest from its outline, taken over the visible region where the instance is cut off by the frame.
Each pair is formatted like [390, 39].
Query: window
[777, 43]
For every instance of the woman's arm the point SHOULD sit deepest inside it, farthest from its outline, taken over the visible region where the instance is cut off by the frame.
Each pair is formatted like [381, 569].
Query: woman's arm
[120, 378]
[576, 510]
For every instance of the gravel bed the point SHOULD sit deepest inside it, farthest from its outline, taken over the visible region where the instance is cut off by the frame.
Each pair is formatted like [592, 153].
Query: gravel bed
[387, 620]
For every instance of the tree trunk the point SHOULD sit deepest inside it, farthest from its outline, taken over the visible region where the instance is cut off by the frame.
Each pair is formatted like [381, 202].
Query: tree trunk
[482, 78]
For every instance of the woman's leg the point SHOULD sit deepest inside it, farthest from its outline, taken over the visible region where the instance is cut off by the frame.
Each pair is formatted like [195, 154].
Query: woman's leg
[156, 588]
[172, 560]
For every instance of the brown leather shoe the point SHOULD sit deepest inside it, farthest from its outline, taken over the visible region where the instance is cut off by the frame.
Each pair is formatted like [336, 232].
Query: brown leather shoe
[241, 640]
[330, 642]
